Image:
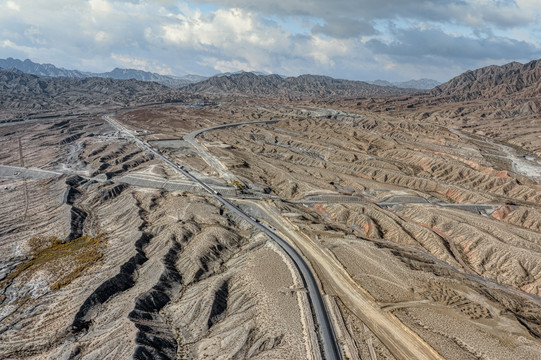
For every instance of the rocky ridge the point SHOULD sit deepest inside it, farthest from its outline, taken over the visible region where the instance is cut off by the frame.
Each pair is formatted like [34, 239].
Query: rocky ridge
[502, 103]
[301, 87]
[513, 79]
[22, 95]
[434, 222]
[421, 84]
[151, 285]
[29, 67]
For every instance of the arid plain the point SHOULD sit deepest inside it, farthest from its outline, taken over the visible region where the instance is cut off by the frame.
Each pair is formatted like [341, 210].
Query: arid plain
[418, 213]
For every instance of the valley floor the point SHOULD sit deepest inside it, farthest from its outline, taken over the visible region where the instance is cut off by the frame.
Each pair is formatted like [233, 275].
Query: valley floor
[425, 237]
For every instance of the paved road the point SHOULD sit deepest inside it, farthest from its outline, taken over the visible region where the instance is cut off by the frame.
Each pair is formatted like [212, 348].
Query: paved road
[210, 159]
[480, 209]
[18, 172]
[196, 133]
[330, 345]
[402, 342]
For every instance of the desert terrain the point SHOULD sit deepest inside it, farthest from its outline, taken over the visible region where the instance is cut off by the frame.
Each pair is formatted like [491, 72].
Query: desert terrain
[418, 213]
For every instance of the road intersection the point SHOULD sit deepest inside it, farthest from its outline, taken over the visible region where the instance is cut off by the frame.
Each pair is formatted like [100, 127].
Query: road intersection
[327, 336]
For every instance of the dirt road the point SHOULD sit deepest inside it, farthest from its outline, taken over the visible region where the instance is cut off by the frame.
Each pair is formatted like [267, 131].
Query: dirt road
[402, 342]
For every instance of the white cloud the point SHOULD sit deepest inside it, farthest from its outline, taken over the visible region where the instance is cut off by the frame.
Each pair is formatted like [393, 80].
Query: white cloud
[8, 44]
[12, 5]
[247, 41]
[141, 64]
[100, 6]
[340, 14]
[228, 66]
[33, 33]
[323, 50]
[101, 36]
[358, 39]
[219, 29]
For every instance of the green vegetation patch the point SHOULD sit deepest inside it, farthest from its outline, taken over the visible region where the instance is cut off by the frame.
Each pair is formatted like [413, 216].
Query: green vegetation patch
[64, 261]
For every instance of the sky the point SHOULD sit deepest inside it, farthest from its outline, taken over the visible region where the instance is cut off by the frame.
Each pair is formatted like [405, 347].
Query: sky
[394, 40]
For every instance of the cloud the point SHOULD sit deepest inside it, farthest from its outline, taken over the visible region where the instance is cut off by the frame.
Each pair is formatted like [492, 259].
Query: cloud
[227, 65]
[243, 39]
[417, 43]
[12, 5]
[343, 28]
[358, 39]
[101, 36]
[129, 62]
[468, 12]
[99, 6]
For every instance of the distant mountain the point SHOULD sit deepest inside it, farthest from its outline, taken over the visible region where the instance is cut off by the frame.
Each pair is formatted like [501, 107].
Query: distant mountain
[33, 68]
[171, 81]
[304, 86]
[192, 78]
[29, 67]
[381, 83]
[24, 94]
[421, 84]
[264, 73]
[514, 80]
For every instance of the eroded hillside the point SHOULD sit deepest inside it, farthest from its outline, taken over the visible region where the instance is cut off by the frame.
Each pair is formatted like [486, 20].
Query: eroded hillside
[418, 215]
[394, 199]
[99, 269]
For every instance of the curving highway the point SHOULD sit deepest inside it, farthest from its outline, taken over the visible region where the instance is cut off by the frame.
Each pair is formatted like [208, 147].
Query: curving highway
[330, 346]
[208, 158]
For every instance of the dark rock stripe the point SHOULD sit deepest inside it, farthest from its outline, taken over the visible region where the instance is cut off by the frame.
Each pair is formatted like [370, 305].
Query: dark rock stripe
[124, 280]
[219, 305]
[155, 339]
[77, 215]
[112, 192]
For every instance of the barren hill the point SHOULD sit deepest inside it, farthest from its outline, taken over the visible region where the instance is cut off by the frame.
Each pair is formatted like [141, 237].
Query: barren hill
[499, 102]
[171, 81]
[24, 94]
[420, 216]
[29, 67]
[304, 86]
[522, 80]
[421, 84]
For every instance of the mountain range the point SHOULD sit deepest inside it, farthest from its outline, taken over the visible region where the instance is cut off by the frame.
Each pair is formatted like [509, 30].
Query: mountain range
[421, 84]
[29, 67]
[510, 89]
[23, 95]
[293, 88]
[523, 80]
